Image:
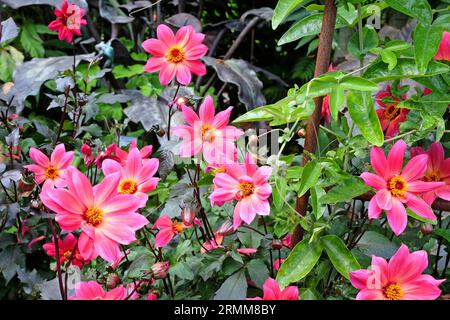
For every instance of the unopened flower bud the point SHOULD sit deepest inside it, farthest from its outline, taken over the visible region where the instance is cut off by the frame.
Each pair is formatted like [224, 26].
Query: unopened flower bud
[426, 228]
[180, 102]
[301, 133]
[35, 204]
[160, 269]
[277, 244]
[226, 228]
[188, 216]
[112, 281]
[26, 186]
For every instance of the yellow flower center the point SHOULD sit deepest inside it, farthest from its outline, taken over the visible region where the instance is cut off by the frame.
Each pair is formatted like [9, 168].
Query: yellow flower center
[177, 227]
[67, 254]
[246, 189]
[391, 112]
[94, 216]
[127, 186]
[208, 133]
[175, 55]
[51, 172]
[218, 170]
[433, 176]
[397, 186]
[393, 292]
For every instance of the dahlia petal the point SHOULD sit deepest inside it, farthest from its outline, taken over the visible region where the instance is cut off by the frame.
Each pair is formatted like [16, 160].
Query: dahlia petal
[415, 168]
[106, 189]
[69, 222]
[155, 64]
[196, 67]
[224, 180]
[58, 153]
[206, 111]
[262, 174]
[368, 294]
[183, 35]
[119, 293]
[38, 157]
[155, 47]
[359, 278]
[121, 203]
[443, 192]
[271, 289]
[395, 157]
[424, 287]
[110, 166]
[397, 217]
[86, 247]
[167, 73]
[290, 293]
[436, 154]
[107, 248]
[117, 232]
[245, 210]
[134, 163]
[163, 237]
[420, 207]
[384, 199]
[81, 187]
[421, 186]
[196, 52]
[149, 169]
[379, 162]
[190, 116]
[183, 73]
[373, 180]
[165, 34]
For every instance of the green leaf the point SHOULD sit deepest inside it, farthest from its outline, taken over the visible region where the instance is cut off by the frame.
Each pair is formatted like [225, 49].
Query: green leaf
[341, 258]
[316, 195]
[426, 43]
[282, 10]
[444, 233]
[419, 9]
[234, 288]
[362, 110]
[310, 176]
[299, 263]
[308, 26]
[258, 271]
[405, 68]
[417, 217]
[309, 294]
[374, 243]
[390, 58]
[279, 192]
[265, 113]
[370, 41]
[345, 190]
[397, 45]
[31, 42]
[358, 83]
[337, 98]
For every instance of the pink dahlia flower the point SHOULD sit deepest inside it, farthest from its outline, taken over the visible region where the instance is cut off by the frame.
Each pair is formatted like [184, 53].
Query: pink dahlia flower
[145, 152]
[176, 55]
[443, 52]
[136, 176]
[69, 20]
[389, 114]
[438, 169]
[208, 133]
[66, 250]
[51, 171]
[399, 279]
[91, 290]
[167, 230]
[106, 218]
[247, 184]
[272, 291]
[396, 187]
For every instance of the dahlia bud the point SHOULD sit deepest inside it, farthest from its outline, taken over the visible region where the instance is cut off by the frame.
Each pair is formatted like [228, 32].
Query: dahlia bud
[26, 186]
[112, 281]
[426, 228]
[187, 216]
[226, 228]
[277, 244]
[180, 102]
[87, 152]
[160, 269]
[301, 133]
[35, 204]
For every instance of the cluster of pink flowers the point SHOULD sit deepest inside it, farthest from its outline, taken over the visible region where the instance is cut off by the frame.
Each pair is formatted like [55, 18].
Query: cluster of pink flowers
[105, 213]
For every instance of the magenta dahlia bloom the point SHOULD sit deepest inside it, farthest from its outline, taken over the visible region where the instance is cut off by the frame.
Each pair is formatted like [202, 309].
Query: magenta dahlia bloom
[248, 185]
[105, 217]
[399, 279]
[209, 133]
[272, 291]
[51, 171]
[176, 55]
[397, 187]
[438, 169]
[69, 20]
[91, 290]
[136, 175]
